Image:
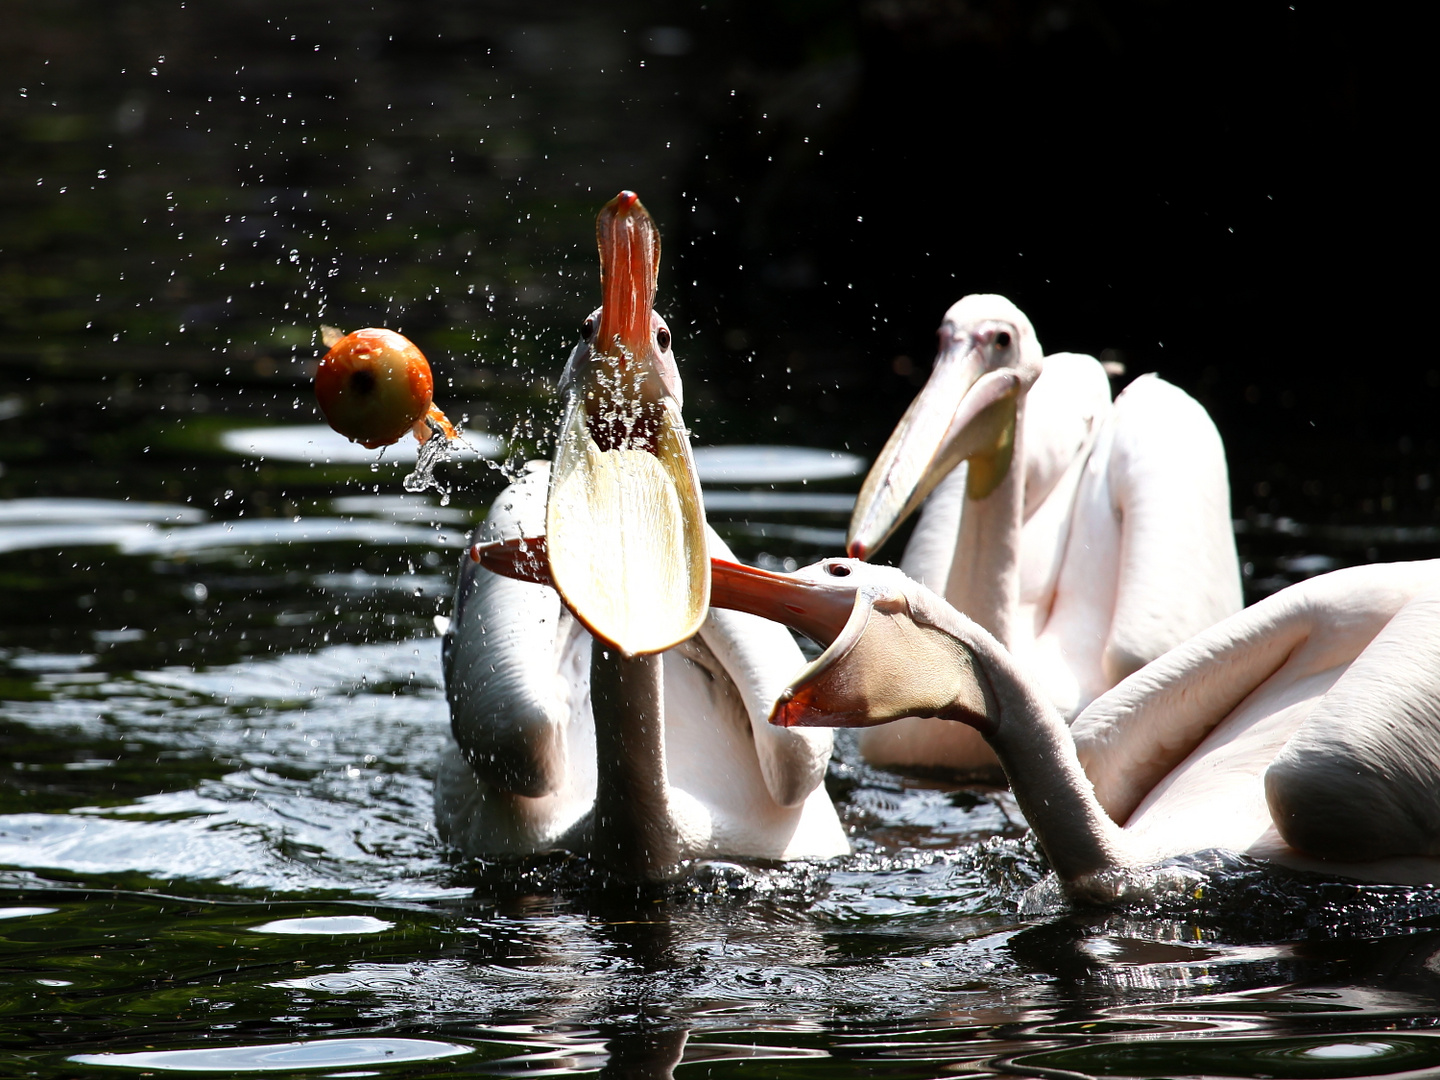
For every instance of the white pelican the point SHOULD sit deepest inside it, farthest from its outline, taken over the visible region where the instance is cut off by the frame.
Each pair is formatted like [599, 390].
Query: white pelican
[1112, 543]
[524, 772]
[643, 756]
[1304, 730]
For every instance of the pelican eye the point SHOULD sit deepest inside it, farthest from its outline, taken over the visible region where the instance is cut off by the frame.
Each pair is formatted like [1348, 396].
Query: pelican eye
[662, 338]
[588, 330]
[838, 570]
[1002, 339]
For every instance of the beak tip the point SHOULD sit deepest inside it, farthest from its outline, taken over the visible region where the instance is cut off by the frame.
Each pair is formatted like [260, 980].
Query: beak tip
[781, 714]
[858, 549]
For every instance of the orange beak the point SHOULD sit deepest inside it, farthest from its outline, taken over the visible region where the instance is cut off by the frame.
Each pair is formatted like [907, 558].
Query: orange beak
[817, 609]
[629, 269]
[624, 521]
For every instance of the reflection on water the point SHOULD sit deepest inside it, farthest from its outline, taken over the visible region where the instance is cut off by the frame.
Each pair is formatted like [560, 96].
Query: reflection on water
[774, 464]
[756, 502]
[96, 511]
[1266, 1055]
[333, 924]
[322, 444]
[282, 1057]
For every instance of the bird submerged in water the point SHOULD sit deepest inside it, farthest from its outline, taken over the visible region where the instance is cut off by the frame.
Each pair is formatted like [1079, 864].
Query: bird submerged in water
[615, 713]
[1087, 536]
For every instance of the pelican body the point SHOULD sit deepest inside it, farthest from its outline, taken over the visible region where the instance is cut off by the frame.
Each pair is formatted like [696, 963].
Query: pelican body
[1304, 730]
[674, 761]
[1087, 535]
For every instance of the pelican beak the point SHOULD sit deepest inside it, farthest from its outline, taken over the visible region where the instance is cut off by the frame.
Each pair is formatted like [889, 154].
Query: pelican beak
[879, 663]
[963, 413]
[624, 520]
[521, 558]
[818, 609]
[817, 606]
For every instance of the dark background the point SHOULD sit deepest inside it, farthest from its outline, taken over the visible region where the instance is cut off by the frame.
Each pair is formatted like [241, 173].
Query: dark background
[1225, 193]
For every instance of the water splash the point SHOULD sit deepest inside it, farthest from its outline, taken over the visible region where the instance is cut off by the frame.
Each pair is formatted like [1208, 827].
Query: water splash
[1249, 897]
[433, 451]
[623, 410]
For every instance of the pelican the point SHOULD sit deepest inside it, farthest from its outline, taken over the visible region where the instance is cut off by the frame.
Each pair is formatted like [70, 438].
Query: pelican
[1304, 730]
[613, 712]
[1087, 536]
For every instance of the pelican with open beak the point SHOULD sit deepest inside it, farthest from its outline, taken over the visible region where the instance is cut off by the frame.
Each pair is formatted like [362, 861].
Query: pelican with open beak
[1303, 731]
[624, 518]
[648, 745]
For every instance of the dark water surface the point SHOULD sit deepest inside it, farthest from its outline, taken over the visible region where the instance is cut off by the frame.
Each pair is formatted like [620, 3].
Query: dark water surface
[220, 699]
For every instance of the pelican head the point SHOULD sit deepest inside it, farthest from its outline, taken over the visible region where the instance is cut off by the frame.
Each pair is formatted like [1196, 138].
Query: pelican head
[624, 520]
[883, 659]
[967, 411]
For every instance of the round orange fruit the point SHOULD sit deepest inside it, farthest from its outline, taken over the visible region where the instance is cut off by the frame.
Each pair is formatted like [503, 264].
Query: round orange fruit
[373, 385]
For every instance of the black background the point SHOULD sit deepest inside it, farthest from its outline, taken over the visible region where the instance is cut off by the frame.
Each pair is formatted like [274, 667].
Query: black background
[1229, 194]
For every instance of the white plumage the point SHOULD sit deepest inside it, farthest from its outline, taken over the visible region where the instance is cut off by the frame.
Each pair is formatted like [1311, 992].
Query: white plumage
[1112, 544]
[522, 775]
[1304, 730]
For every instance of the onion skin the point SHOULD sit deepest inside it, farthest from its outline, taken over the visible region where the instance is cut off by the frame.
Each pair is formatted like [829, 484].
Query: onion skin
[373, 386]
